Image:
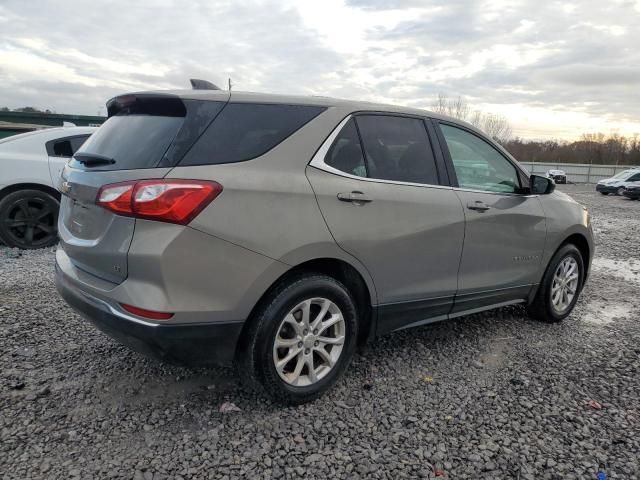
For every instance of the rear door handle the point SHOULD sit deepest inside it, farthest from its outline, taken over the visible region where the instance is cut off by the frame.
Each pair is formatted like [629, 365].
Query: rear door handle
[354, 197]
[478, 206]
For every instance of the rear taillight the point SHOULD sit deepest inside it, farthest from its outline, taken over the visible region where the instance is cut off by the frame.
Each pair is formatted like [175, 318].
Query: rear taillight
[164, 200]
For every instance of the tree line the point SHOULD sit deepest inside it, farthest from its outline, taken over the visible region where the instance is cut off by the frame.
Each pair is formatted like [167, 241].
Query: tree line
[25, 110]
[593, 148]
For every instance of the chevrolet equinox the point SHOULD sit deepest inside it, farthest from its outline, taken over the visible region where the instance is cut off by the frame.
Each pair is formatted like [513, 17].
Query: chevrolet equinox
[280, 232]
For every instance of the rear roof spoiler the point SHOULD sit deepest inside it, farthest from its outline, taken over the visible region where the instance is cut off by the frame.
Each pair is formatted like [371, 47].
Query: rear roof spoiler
[160, 104]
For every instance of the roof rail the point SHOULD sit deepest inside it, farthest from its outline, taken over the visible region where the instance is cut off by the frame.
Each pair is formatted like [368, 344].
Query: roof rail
[197, 84]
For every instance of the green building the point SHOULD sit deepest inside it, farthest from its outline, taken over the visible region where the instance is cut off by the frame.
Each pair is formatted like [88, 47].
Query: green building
[12, 123]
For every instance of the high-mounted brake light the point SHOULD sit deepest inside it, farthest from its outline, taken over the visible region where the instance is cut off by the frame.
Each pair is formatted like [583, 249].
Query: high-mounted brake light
[165, 200]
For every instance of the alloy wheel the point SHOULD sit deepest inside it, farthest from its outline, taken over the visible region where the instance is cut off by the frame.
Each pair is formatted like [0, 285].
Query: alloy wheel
[30, 222]
[309, 342]
[565, 284]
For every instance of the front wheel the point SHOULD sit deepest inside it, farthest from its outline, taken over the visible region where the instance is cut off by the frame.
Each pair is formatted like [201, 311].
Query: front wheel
[301, 339]
[561, 286]
[620, 191]
[28, 219]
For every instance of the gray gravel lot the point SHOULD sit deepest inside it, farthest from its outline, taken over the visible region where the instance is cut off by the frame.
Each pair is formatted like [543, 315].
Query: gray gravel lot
[494, 395]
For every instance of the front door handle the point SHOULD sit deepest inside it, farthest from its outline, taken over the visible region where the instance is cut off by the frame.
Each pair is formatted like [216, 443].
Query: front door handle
[478, 206]
[354, 197]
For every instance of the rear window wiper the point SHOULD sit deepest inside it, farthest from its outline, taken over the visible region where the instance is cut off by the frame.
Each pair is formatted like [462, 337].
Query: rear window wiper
[93, 159]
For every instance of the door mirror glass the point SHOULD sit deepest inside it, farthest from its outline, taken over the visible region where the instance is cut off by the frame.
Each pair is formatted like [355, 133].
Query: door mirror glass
[541, 185]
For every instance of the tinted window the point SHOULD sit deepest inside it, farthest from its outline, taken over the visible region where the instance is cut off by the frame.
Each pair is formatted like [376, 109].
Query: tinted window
[635, 178]
[76, 143]
[244, 131]
[346, 154]
[62, 148]
[397, 148]
[65, 147]
[133, 141]
[478, 165]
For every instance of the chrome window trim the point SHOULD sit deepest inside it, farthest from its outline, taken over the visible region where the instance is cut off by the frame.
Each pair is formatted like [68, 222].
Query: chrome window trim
[318, 162]
[506, 194]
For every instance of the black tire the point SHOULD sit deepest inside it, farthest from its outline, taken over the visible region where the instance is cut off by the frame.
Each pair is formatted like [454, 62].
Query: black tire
[604, 193]
[29, 219]
[541, 308]
[254, 357]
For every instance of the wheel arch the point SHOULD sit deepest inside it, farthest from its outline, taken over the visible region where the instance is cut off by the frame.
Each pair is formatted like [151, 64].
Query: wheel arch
[342, 271]
[582, 244]
[16, 187]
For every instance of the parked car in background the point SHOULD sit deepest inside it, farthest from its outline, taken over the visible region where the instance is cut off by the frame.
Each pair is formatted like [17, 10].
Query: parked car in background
[632, 191]
[618, 182]
[281, 231]
[558, 176]
[30, 164]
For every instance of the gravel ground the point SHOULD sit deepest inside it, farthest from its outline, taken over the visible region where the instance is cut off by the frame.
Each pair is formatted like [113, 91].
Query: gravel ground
[494, 395]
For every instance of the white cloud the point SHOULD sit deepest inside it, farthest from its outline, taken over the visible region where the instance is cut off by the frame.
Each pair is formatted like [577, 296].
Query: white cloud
[555, 68]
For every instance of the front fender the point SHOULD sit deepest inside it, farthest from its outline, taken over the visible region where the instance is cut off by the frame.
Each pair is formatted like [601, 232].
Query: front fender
[565, 218]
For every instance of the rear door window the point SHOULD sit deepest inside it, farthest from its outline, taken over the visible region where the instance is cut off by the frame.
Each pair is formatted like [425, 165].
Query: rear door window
[397, 148]
[244, 131]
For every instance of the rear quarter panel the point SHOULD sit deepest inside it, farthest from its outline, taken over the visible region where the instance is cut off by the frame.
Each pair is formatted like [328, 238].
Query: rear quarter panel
[19, 167]
[267, 204]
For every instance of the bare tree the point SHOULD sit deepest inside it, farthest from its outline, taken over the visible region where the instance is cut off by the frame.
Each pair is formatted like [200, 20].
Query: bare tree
[496, 126]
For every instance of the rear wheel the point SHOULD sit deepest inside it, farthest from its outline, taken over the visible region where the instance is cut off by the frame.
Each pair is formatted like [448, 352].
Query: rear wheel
[301, 340]
[28, 219]
[561, 286]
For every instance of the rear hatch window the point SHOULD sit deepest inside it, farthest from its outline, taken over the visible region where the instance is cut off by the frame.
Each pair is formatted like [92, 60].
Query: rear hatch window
[145, 132]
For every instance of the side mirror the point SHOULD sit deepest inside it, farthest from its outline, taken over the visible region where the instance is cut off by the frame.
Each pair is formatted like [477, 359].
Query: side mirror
[541, 185]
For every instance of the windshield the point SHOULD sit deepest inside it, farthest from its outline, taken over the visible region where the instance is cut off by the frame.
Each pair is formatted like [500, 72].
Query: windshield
[624, 174]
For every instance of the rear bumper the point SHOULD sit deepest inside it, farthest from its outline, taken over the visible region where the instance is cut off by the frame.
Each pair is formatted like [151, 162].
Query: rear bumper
[185, 344]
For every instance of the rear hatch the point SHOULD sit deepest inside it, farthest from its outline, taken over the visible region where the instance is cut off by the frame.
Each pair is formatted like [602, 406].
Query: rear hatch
[144, 137]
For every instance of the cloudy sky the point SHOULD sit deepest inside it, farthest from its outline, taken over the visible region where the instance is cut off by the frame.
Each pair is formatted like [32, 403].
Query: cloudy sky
[554, 68]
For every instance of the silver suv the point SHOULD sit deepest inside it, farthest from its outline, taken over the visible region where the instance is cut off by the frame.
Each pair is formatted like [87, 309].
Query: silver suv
[280, 232]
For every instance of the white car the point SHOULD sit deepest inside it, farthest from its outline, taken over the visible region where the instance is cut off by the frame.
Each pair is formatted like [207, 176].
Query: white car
[618, 182]
[30, 163]
[558, 176]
